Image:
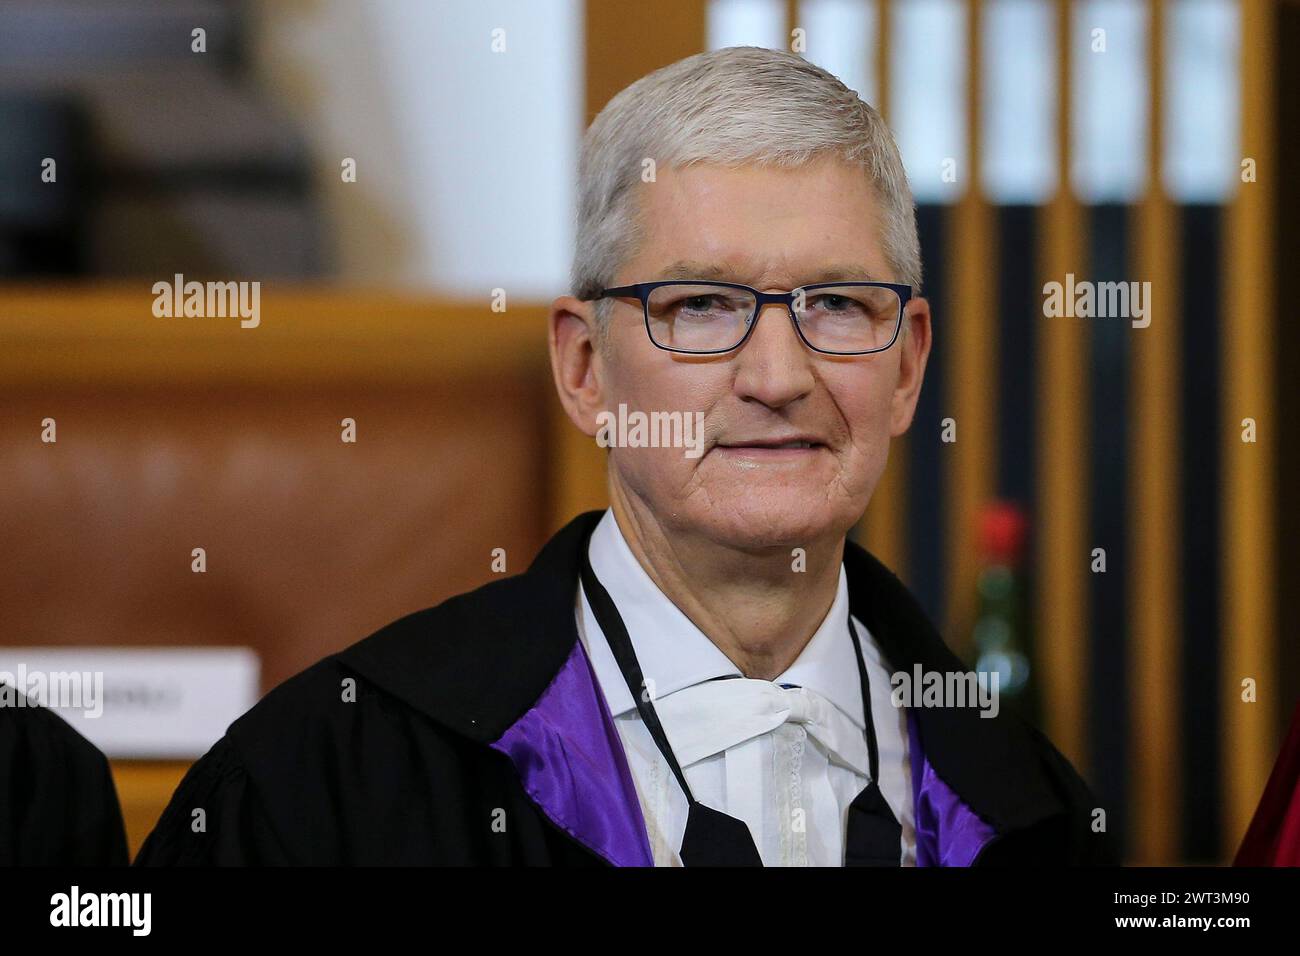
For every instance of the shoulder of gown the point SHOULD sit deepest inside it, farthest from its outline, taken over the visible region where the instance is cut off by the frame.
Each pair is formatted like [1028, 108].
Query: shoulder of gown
[58, 805]
[328, 767]
[274, 789]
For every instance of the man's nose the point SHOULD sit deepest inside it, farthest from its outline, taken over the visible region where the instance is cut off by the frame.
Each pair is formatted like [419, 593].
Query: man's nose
[774, 366]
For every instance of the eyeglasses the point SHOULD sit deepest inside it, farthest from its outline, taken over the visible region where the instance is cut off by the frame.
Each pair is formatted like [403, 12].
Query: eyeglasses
[708, 318]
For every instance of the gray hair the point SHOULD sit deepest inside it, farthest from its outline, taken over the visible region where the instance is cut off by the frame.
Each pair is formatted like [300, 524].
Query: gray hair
[729, 107]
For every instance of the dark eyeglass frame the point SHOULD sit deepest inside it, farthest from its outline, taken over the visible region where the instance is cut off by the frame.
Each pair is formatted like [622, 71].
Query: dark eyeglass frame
[642, 290]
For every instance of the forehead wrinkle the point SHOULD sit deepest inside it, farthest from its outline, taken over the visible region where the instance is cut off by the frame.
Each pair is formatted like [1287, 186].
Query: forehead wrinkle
[690, 269]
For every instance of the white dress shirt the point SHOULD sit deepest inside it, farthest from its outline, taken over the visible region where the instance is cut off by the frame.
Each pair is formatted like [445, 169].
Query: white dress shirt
[799, 757]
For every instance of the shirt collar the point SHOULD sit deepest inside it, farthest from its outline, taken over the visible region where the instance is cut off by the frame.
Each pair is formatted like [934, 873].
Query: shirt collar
[827, 663]
[674, 653]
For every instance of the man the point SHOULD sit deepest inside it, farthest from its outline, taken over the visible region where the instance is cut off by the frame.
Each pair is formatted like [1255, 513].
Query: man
[701, 674]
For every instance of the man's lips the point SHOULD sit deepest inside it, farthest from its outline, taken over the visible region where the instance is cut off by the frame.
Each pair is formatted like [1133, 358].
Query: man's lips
[776, 446]
[776, 441]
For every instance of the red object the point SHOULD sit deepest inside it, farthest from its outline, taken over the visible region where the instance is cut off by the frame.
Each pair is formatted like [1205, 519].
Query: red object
[1273, 838]
[1002, 533]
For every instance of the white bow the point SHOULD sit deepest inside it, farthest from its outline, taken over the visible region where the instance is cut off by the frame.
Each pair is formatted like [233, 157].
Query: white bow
[713, 716]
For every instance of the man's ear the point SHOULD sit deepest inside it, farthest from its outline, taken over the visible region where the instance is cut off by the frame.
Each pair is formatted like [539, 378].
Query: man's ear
[576, 360]
[914, 346]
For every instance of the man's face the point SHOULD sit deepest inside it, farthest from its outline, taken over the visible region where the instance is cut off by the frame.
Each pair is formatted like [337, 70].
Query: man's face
[773, 229]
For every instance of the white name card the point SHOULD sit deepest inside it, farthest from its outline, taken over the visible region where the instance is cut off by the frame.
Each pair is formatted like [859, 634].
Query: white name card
[141, 702]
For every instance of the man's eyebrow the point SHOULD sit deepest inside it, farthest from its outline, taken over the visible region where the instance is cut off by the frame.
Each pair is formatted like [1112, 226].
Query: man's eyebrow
[843, 274]
[687, 269]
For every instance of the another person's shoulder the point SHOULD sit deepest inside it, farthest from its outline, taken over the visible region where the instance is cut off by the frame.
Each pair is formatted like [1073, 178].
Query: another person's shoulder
[58, 804]
[30, 730]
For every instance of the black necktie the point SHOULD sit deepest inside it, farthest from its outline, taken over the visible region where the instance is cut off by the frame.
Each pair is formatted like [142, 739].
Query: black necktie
[713, 838]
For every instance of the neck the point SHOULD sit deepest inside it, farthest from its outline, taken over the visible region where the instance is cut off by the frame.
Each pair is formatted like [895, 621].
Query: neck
[751, 604]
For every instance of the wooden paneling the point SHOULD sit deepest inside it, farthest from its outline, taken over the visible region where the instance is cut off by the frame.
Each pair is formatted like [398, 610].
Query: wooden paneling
[1061, 615]
[144, 788]
[972, 329]
[98, 334]
[883, 530]
[1250, 626]
[1156, 740]
[180, 433]
[625, 41]
[311, 543]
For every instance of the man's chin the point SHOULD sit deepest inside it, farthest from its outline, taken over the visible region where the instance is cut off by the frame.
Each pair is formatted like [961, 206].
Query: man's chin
[752, 525]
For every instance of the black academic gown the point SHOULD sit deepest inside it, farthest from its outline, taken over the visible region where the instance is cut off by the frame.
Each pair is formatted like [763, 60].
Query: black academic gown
[475, 732]
[58, 805]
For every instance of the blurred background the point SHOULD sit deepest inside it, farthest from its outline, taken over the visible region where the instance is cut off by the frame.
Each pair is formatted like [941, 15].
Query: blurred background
[1106, 527]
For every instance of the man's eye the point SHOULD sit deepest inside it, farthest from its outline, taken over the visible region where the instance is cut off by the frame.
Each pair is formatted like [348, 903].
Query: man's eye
[836, 303]
[701, 303]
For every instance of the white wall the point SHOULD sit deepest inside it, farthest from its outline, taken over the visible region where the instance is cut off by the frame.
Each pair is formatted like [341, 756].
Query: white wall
[466, 157]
